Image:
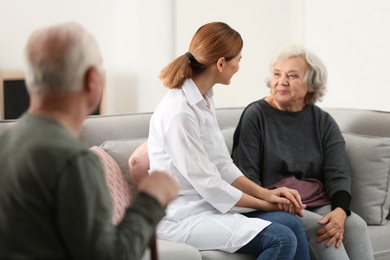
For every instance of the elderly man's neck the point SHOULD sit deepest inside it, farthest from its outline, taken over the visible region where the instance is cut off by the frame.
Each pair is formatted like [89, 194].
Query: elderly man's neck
[65, 108]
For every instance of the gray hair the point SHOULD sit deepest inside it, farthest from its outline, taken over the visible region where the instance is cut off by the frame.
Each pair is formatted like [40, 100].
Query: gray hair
[315, 77]
[57, 58]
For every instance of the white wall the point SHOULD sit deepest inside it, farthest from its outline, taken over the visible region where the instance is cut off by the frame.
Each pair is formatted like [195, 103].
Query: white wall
[135, 39]
[353, 39]
[143, 45]
[264, 25]
[139, 37]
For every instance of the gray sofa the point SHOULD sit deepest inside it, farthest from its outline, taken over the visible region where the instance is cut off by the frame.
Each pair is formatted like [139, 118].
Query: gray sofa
[367, 134]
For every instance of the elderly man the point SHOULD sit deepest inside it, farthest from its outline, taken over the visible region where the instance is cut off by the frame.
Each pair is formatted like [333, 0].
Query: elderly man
[54, 202]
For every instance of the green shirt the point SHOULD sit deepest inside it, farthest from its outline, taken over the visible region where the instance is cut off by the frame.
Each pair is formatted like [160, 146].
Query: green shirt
[54, 202]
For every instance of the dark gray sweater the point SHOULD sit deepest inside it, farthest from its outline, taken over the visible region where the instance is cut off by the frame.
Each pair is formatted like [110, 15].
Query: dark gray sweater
[270, 144]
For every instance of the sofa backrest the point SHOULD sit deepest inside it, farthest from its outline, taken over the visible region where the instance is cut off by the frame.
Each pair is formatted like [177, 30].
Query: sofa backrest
[362, 121]
[135, 126]
[6, 124]
[120, 135]
[97, 129]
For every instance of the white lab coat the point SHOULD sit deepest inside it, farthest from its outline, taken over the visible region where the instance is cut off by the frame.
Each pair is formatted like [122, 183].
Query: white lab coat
[185, 139]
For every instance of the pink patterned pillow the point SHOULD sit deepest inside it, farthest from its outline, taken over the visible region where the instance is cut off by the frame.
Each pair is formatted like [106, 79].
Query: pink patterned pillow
[139, 164]
[118, 187]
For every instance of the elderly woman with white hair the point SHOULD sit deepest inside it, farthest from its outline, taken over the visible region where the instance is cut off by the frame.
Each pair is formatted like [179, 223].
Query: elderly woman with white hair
[284, 139]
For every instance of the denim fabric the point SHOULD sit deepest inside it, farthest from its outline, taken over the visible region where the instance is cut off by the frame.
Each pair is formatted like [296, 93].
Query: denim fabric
[285, 238]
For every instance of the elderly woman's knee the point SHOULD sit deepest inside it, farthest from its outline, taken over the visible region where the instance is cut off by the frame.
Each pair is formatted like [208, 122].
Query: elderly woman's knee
[356, 222]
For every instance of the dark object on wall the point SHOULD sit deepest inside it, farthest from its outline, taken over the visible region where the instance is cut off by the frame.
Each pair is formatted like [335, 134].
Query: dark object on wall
[14, 99]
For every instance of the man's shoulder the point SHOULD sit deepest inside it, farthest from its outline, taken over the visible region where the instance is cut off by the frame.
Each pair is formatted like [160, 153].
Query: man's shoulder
[42, 139]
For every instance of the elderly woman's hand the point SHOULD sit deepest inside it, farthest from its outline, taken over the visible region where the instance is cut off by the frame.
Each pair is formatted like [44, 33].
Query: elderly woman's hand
[288, 200]
[283, 198]
[332, 227]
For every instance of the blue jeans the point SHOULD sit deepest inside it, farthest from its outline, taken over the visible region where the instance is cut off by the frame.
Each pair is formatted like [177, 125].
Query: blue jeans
[285, 238]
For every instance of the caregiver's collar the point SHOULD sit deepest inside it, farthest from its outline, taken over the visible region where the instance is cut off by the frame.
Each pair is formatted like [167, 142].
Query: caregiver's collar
[193, 94]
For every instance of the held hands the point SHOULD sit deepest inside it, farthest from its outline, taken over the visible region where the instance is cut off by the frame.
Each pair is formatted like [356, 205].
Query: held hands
[161, 186]
[287, 200]
[257, 197]
[332, 227]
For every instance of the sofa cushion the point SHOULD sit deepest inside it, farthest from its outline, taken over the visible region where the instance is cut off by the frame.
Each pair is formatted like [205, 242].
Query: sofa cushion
[118, 187]
[369, 161]
[380, 244]
[216, 254]
[170, 250]
[121, 150]
[139, 164]
[228, 134]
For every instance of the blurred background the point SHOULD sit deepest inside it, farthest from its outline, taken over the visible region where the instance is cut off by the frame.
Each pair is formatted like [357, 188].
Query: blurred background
[139, 37]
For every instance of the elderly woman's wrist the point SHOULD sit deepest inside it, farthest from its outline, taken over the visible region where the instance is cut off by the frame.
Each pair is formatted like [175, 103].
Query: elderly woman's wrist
[346, 211]
[341, 199]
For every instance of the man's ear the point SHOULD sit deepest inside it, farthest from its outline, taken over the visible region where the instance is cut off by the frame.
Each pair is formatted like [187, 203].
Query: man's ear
[220, 64]
[93, 86]
[90, 79]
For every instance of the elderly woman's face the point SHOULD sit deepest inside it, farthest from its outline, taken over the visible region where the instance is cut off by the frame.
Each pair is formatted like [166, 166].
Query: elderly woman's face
[288, 87]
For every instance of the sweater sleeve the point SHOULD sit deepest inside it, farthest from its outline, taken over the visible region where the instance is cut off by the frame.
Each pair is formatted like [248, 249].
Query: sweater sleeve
[341, 199]
[336, 170]
[85, 210]
[247, 153]
[138, 226]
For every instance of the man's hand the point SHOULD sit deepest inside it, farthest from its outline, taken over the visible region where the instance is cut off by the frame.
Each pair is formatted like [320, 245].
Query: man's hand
[161, 186]
[332, 227]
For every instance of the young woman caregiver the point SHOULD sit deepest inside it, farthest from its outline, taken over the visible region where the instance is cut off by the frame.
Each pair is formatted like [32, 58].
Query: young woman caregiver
[185, 139]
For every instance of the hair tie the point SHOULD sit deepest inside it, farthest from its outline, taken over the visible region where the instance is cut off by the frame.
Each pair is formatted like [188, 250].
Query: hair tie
[190, 57]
